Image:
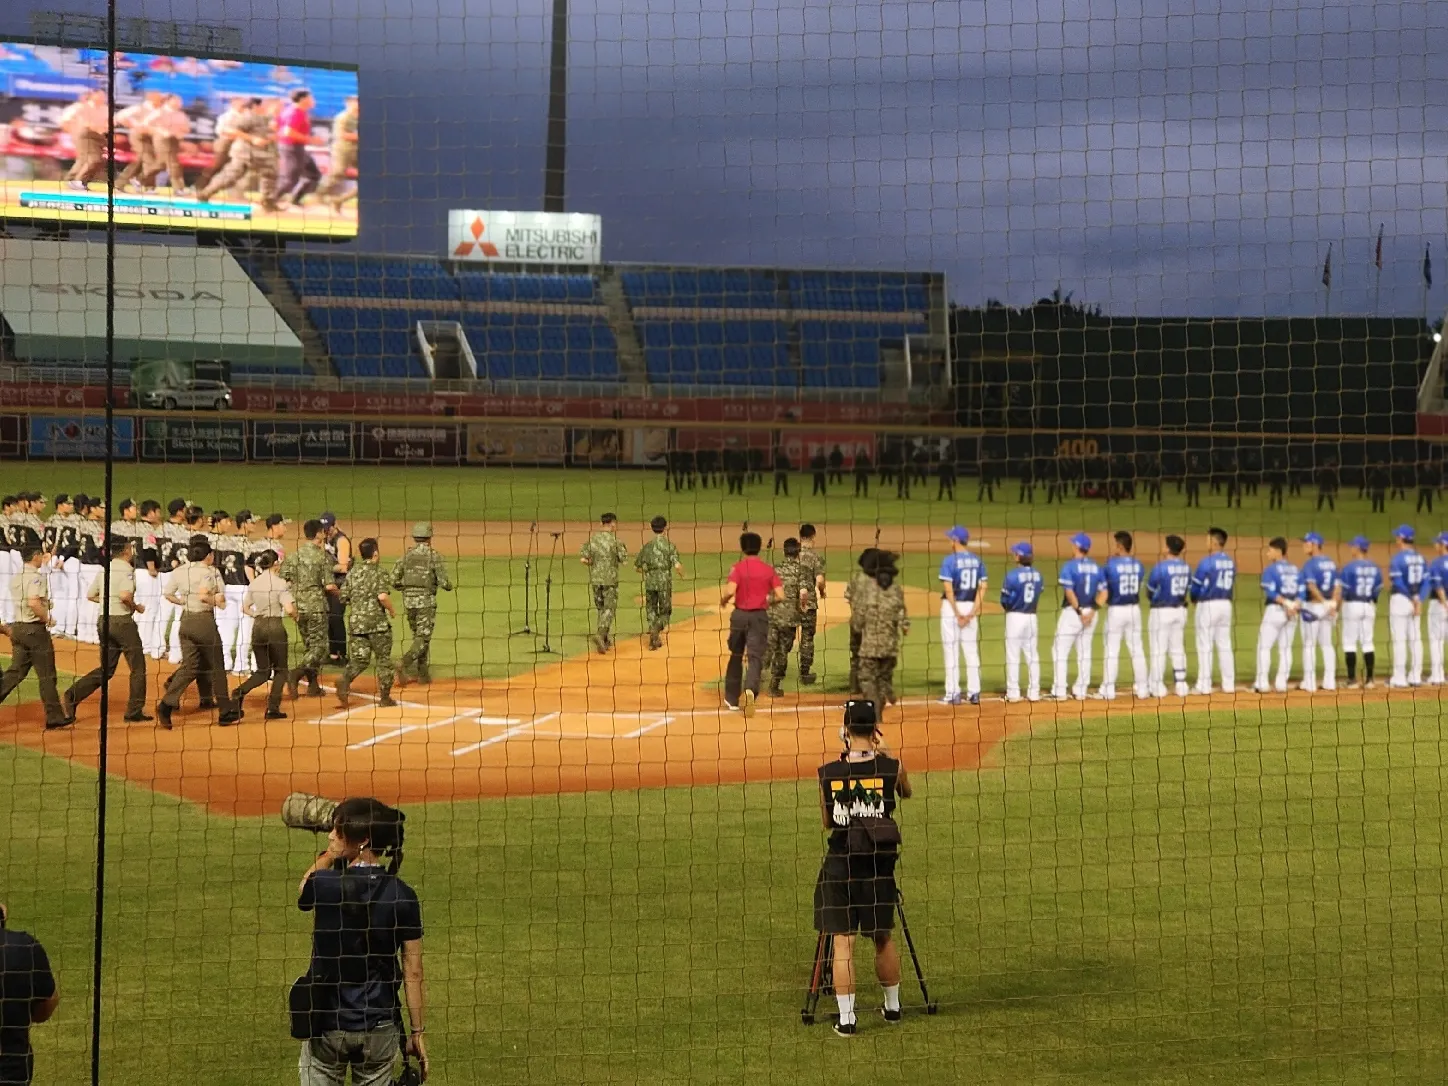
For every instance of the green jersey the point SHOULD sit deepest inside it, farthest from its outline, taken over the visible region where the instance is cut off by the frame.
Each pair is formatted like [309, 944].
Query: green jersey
[656, 561]
[606, 553]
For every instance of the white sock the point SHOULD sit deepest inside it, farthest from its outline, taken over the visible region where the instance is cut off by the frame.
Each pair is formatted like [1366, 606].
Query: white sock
[847, 1009]
[892, 997]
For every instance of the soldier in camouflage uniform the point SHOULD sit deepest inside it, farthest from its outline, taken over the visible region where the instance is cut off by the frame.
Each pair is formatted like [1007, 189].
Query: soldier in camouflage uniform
[855, 592]
[369, 625]
[658, 561]
[784, 617]
[419, 574]
[881, 607]
[813, 565]
[309, 573]
[603, 554]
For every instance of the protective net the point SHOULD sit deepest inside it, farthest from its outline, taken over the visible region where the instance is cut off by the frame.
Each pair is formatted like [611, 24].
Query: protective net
[1063, 384]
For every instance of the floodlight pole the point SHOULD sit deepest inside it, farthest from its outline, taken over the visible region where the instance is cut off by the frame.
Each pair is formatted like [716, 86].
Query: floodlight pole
[555, 162]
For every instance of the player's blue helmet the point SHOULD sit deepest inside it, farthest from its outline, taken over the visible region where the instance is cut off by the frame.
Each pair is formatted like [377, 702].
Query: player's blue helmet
[1441, 537]
[958, 535]
[1361, 542]
[1313, 537]
[1082, 540]
[1404, 532]
[1022, 549]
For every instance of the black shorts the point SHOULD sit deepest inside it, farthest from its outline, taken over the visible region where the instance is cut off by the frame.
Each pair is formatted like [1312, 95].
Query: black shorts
[856, 894]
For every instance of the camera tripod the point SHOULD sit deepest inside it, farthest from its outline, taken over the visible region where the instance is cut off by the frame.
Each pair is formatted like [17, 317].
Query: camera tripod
[822, 975]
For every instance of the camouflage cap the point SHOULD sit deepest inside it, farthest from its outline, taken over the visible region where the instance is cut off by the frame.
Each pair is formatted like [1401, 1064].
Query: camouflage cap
[422, 530]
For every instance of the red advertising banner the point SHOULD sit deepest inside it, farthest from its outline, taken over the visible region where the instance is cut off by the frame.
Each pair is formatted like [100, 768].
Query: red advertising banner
[613, 409]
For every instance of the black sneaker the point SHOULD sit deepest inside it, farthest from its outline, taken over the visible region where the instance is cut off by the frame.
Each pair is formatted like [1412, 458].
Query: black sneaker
[889, 1015]
[138, 718]
[275, 714]
[207, 703]
[844, 1029]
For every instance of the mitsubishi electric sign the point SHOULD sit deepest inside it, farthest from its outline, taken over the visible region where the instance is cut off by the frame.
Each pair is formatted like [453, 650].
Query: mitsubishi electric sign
[524, 237]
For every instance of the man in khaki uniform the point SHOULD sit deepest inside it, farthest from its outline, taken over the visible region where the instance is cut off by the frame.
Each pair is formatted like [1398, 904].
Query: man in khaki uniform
[87, 120]
[267, 600]
[169, 126]
[30, 644]
[344, 157]
[119, 636]
[136, 120]
[196, 588]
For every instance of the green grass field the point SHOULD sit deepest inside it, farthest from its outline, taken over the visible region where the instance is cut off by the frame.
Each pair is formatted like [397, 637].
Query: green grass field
[1163, 897]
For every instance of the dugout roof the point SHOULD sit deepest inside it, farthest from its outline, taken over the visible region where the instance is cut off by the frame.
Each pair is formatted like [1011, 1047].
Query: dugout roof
[171, 302]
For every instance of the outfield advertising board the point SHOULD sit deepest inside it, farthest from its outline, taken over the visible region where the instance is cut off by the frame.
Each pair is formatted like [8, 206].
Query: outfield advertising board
[303, 441]
[183, 440]
[407, 443]
[80, 437]
[524, 237]
[491, 443]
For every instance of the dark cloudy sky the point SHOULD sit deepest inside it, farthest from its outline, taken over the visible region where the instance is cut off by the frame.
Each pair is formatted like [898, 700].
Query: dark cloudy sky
[1152, 156]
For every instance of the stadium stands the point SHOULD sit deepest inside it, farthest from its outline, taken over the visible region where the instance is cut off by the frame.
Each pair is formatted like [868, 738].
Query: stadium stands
[701, 329]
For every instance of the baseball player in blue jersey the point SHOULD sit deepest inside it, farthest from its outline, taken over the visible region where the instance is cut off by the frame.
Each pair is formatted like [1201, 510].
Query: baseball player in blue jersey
[1406, 574]
[1281, 599]
[1362, 582]
[1437, 596]
[1079, 579]
[962, 590]
[1212, 587]
[1166, 624]
[1120, 594]
[1321, 601]
[1020, 596]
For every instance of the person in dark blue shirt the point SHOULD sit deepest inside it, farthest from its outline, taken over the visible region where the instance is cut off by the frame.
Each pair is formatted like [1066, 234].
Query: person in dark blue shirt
[365, 919]
[1020, 596]
[28, 994]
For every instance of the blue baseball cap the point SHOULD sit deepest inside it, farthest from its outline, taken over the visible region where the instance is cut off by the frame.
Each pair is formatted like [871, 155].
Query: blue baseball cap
[1313, 537]
[1361, 542]
[1082, 540]
[958, 535]
[1441, 537]
[1403, 532]
[1022, 549]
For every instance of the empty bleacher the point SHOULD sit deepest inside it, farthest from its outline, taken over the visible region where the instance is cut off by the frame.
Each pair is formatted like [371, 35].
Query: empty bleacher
[707, 331]
[521, 327]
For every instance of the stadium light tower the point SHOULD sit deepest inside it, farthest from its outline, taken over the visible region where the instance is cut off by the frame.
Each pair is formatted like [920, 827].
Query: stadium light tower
[555, 162]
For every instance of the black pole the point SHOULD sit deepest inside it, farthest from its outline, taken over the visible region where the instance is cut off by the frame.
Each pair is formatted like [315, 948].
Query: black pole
[555, 162]
[101, 765]
[548, 648]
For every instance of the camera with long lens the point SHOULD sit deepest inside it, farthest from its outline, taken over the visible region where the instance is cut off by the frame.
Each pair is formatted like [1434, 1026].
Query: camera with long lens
[304, 811]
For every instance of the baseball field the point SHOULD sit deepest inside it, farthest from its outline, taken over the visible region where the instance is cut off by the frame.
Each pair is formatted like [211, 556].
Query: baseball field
[616, 875]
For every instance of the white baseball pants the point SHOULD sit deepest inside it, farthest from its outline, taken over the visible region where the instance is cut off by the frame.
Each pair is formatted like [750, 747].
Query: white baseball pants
[1317, 637]
[1123, 622]
[9, 568]
[1359, 619]
[1166, 631]
[65, 593]
[1214, 637]
[235, 630]
[173, 615]
[1437, 634]
[88, 615]
[960, 641]
[1072, 634]
[1023, 640]
[1278, 628]
[151, 623]
[1407, 637]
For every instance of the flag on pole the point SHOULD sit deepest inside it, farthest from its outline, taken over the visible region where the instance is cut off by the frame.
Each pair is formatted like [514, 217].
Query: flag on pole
[1378, 259]
[1428, 265]
[1327, 268]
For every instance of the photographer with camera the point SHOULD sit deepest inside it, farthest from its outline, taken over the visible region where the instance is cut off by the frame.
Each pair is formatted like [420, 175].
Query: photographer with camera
[855, 892]
[345, 1009]
[28, 995]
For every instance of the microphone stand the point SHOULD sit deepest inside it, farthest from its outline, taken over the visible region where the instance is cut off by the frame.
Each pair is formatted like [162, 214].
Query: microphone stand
[528, 583]
[548, 600]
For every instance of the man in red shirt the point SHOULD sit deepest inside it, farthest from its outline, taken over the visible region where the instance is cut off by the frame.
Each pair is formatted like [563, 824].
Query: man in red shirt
[294, 136]
[752, 585]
